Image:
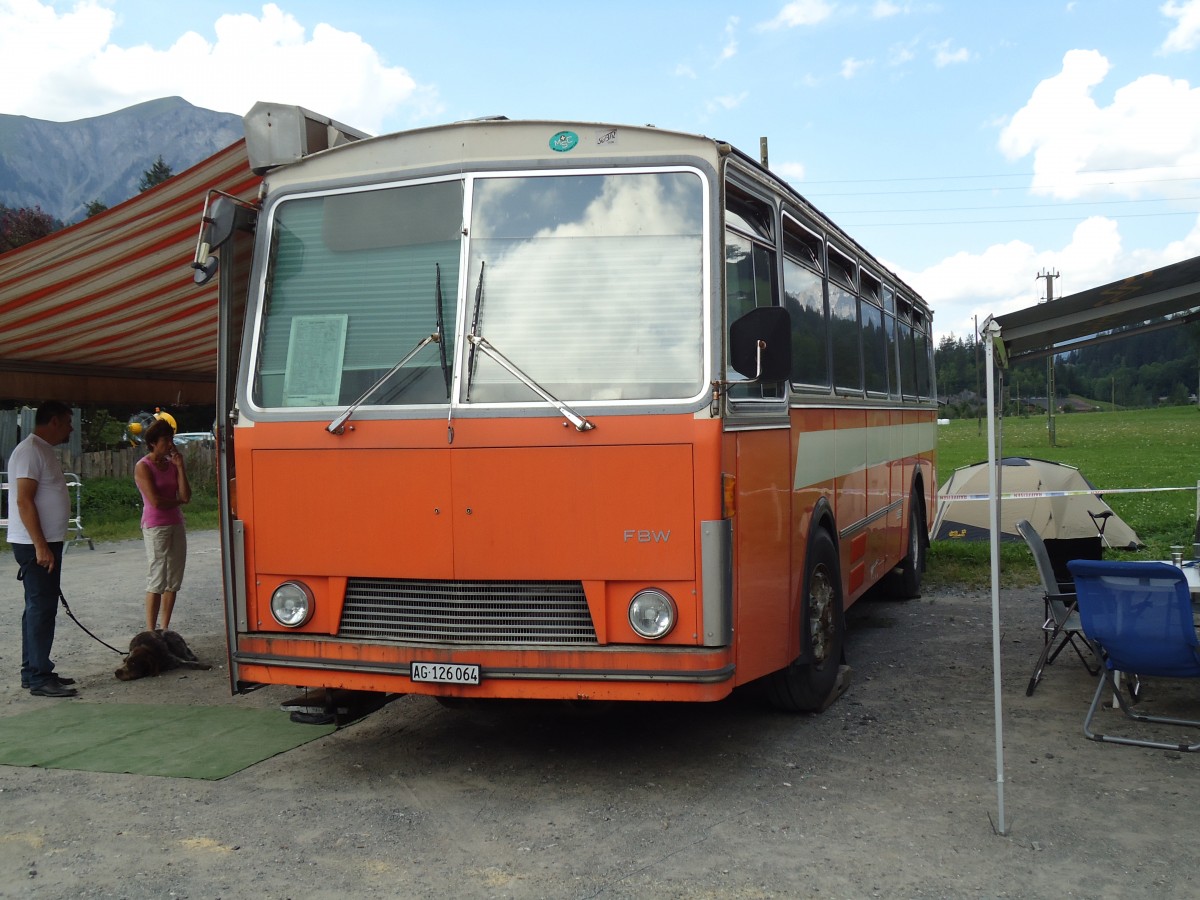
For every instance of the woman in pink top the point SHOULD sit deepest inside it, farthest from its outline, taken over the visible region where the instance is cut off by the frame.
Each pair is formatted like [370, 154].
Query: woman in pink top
[162, 479]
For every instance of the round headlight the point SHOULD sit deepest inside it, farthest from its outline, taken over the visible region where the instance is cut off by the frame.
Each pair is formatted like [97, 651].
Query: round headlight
[292, 604]
[652, 613]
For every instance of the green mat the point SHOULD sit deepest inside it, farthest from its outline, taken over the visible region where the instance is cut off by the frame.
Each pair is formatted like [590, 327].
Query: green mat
[177, 741]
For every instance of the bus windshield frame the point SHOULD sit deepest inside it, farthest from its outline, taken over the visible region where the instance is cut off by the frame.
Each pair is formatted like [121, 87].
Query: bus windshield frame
[594, 282]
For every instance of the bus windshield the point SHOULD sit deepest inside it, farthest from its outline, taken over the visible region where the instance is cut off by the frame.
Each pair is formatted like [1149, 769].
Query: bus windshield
[594, 287]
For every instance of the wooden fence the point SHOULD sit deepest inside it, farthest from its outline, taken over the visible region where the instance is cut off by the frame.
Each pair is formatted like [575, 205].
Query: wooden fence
[119, 463]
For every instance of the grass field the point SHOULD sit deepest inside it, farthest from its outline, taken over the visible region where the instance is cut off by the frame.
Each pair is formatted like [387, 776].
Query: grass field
[1152, 448]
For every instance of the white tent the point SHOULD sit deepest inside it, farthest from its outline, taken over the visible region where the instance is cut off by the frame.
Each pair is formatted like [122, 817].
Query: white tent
[1162, 298]
[1057, 499]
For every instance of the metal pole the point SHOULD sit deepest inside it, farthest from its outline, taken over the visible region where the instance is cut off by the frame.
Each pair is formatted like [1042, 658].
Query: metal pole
[991, 333]
[1050, 399]
[1050, 391]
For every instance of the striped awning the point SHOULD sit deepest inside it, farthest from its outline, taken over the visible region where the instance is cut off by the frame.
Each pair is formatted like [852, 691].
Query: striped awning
[106, 311]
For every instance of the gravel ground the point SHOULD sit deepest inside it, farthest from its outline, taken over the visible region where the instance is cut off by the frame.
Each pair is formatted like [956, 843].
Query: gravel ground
[889, 793]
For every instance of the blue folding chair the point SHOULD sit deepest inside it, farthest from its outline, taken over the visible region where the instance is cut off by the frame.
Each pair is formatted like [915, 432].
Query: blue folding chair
[1139, 616]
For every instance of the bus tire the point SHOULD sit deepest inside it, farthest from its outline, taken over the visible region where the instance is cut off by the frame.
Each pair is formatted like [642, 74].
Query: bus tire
[904, 583]
[810, 686]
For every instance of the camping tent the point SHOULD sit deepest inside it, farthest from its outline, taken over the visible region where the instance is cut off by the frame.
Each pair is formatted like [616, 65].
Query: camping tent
[1059, 500]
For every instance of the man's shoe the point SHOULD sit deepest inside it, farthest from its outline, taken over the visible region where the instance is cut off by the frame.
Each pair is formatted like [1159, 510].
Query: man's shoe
[63, 681]
[53, 689]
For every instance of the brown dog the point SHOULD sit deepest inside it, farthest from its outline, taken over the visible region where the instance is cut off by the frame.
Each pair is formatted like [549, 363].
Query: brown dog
[154, 652]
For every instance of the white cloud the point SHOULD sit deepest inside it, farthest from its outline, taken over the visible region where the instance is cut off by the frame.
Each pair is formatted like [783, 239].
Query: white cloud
[944, 56]
[883, 9]
[1186, 33]
[729, 51]
[727, 102]
[1150, 131]
[900, 54]
[1003, 277]
[799, 12]
[792, 172]
[48, 55]
[851, 66]
[253, 58]
[683, 70]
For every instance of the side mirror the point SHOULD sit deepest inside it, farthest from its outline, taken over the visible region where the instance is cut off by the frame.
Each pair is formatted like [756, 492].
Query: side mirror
[760, 345]
[217, 225]
[202, 272]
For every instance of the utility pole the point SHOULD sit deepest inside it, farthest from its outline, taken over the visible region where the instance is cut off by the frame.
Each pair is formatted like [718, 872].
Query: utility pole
[1049, 276]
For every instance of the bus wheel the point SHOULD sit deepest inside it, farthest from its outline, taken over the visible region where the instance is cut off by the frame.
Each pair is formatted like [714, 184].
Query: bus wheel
[811, 686]
[904, 583]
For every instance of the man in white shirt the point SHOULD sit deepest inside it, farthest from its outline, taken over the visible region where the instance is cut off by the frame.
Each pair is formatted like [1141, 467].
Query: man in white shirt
[39, 511]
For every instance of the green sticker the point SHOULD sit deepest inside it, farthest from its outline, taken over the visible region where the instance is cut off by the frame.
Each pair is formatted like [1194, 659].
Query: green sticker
[564, 141]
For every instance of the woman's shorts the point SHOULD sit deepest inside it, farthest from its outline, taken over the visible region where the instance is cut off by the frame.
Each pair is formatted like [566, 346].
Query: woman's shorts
[166, 552]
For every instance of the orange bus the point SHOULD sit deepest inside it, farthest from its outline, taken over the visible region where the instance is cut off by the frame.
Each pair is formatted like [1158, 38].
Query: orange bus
[555, 410]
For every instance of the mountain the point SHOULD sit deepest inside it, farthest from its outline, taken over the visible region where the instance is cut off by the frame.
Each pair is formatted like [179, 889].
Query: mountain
[63, 166]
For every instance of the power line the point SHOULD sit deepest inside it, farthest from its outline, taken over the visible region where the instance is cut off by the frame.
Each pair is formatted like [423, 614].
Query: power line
[847, 224]
[996, 175]
[992, 188]
[843, 212]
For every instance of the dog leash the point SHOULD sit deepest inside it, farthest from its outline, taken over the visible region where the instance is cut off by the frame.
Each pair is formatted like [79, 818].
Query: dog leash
[62, 599]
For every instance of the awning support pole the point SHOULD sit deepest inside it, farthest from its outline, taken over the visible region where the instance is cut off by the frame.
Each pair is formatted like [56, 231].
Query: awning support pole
[991, 335]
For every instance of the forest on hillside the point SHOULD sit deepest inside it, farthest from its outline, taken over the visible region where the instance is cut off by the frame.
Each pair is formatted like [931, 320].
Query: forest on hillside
[1141, 370]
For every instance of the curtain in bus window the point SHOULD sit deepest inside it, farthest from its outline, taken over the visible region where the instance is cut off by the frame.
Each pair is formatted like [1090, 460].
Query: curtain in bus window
[352, 288]
[875, 349]
[847, 353]
[593, 285]
[804, 298]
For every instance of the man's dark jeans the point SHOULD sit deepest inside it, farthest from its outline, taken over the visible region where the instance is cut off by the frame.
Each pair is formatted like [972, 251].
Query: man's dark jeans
[41, 607]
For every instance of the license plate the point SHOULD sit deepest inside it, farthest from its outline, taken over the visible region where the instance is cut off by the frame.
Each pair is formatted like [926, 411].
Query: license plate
[444, 673]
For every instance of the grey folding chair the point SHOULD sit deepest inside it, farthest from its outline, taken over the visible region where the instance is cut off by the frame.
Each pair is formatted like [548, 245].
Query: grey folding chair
[1061, 627]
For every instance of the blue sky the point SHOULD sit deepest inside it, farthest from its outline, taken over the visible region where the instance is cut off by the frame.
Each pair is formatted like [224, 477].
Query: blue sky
[969, 145]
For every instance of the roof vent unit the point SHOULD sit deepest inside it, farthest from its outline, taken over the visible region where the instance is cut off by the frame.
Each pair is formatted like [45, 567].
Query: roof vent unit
[278, 134]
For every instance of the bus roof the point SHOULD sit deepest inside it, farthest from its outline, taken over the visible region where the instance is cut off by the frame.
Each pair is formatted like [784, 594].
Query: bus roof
[318, 149]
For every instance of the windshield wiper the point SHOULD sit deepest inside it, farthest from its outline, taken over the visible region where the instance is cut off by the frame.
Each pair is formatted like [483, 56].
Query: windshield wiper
[480, 343]
[441, 329]
[337, 425]
[475, 322]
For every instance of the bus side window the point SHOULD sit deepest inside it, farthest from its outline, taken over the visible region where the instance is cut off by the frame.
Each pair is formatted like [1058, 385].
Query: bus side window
[804, 299]
[844, 323]
[751, 278]
[921, 348]
[875, 343]
[908, 367]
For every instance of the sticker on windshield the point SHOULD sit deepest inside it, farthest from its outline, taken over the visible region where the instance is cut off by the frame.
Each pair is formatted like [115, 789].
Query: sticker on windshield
[564, 141]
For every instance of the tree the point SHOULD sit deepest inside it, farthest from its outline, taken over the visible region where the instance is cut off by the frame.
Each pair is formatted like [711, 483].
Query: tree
[23, 226]
[155, 175]
[95, 206]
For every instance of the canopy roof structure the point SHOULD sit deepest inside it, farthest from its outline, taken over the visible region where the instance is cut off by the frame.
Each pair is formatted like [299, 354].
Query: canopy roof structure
[1160, 298]
[1136, 303]
[105, 311]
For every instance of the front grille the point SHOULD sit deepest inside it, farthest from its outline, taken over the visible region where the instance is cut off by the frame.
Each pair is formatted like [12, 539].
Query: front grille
[468, 612]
